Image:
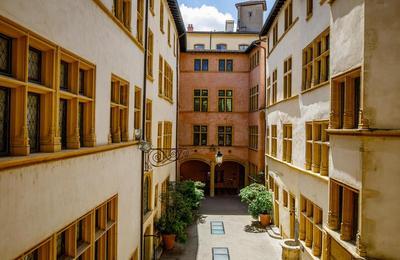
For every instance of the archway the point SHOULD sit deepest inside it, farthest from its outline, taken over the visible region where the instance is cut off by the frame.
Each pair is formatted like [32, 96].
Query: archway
[229, 178]
[196, 170]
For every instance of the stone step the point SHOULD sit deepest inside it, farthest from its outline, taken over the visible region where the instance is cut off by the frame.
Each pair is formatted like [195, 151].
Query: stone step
[274, 232]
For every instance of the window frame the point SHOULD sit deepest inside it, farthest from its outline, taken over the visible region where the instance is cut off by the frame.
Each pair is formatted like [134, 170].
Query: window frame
[219, 45]
[224, 99]
[202, 97]
[225, 134]
[317, 147]
[287, 77]
[287, 143]
[200, 133]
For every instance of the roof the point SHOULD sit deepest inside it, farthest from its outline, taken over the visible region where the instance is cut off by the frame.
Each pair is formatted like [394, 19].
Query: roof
[216, 51]
[221, 32]
[252, 46]
[180, 26]
[252, 3]
[271, 17]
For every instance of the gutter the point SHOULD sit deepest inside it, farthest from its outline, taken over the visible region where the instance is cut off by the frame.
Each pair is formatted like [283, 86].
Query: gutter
[143, 126]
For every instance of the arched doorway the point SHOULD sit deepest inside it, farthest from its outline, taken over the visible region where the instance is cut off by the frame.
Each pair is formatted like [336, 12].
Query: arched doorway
[229, 178]
[196, 170]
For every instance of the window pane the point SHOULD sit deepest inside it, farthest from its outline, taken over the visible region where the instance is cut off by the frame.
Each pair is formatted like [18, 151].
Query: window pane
[203, 139]
[4, 123]
[221, 93]
[61, 245]
[196, 139]
[64, 76]
[81, 120]
[221, 65]
[229, 93]
[63, 122]
[197, 92]
[228, 105]
[221, 105]
[228, 139]
[221, 129]
[197, 64]
[196, 104]
[204, 106]
[196, 128]
[5, 54]
[204, 65]
[229, 65]
[34, 65]
[221, 139]
[203, 128]
[204, 92]
[33, 121]
[81, 82]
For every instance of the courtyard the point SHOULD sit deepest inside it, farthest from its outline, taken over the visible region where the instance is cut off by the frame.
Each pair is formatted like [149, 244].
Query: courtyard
[242, 238]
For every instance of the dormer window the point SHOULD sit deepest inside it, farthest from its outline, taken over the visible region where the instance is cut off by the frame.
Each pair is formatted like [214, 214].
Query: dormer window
[221, 47]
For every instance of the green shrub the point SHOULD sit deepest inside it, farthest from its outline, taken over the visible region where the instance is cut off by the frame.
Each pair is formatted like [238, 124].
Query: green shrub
[262, 204]
[249, 193]
[192, 191]
[169, 223]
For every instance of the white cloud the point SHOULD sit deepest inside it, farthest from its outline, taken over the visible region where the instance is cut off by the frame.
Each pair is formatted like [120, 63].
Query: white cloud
[205, 18]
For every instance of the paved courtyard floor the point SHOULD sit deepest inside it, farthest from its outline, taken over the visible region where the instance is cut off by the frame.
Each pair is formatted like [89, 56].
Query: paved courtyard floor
[243, 238]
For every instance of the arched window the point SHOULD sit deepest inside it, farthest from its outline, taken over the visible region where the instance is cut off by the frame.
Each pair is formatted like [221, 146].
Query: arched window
[243, 47]
[146, 195]
[221, 47]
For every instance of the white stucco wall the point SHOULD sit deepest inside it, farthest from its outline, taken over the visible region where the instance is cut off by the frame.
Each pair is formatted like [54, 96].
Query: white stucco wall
[312, 105]
[39, 200]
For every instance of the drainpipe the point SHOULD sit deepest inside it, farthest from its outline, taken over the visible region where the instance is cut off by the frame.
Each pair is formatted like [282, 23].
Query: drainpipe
[210, 39]
[143, 126]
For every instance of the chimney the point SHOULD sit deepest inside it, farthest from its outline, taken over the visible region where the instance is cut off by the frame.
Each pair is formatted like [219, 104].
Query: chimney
[190, 28]
[229, 25]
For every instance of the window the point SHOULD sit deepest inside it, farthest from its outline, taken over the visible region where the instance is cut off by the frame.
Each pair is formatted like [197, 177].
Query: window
[225, 100]
[224, 135]
[149, 115]
[343, 208]
[225, 65]
[217, 228]
[33, 122]
[253, 137]
[146, 195]
[221, 47]
[267, 141]
[268, 91]
[285, 198]
[77, 240]
[139, 21]
[243, 47]
[309, 8]
[161, 16]
[138, 108]
[287, 143]
[288, 15]
[151, 7]
[4, 120]
[274, 86]
[317, 147]
[201, 65]
[81, 122]
[274, 140]
[199, 46]
[164, 192]
[64, 71]
[254, 60]
[168, 82]
[287, 78]
[150, 54]
[220, 253]
[200, 135]
[5, 54]
[167, 136]
[119, 110]
[200, 100]
[253, 103]
[160, 75]
[316, 62]
[346, 100]
[35, 65]
[275, 34]
[35, 69]
[310, 230]
[122, 11]
[156, 196]
[174, 44]
[169, 33]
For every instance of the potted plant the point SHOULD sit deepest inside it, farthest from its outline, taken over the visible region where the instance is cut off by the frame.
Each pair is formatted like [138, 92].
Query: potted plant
[261, 207]
[171, 228]
[249, 193]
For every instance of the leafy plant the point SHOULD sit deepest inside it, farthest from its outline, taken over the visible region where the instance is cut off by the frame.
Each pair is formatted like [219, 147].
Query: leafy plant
[192, 191]
[169, 224]
[262, 204]
[249, 193]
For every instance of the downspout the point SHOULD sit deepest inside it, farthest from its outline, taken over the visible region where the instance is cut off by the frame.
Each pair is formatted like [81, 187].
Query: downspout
[177, 101]
[210, 40]
[143, 126]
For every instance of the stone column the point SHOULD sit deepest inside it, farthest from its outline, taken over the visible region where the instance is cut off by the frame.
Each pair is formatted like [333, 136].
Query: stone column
[212, 180]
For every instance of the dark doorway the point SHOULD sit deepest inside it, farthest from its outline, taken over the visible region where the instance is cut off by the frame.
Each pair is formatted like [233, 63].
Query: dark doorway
[196, 171]
[229, 178]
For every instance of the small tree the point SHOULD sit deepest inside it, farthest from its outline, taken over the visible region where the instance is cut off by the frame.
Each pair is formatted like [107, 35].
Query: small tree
[262, 204]
[249, 193]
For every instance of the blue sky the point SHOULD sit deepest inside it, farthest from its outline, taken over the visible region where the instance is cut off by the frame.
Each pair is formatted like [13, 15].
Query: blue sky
[223, 6]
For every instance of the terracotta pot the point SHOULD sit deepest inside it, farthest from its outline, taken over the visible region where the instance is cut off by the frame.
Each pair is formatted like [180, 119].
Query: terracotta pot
[265, 219]
[169, 241]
